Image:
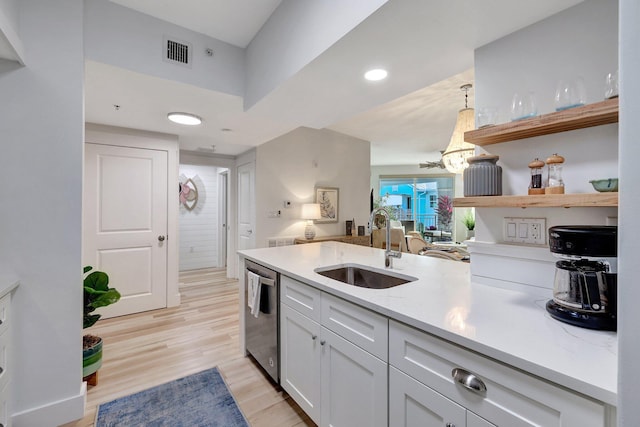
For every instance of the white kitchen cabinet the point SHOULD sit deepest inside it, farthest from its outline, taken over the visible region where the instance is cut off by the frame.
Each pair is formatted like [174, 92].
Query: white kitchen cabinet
[300, 360]
[475, 421]
[354, 385]
[412, 404]
[512, 398]
[334, 381]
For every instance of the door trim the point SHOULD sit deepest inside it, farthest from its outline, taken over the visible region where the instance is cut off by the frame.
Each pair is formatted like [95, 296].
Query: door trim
[125, 137]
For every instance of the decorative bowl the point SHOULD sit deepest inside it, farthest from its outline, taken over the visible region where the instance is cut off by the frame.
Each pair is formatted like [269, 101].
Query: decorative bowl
[605, 185]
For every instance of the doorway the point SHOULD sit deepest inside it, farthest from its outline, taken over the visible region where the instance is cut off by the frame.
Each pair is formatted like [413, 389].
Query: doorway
[202, 216]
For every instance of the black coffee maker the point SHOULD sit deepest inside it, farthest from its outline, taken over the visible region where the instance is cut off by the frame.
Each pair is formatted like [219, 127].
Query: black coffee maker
[585, 284]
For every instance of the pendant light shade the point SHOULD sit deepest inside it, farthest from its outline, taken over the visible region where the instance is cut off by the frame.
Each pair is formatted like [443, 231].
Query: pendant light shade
[457, 152]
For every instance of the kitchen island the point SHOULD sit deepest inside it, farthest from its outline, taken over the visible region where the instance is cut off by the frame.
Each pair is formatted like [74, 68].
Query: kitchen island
[509, 327]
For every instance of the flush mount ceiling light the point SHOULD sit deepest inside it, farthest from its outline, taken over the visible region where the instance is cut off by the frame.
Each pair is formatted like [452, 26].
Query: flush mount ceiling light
[457, 152]
[184, 118]
[376, 74]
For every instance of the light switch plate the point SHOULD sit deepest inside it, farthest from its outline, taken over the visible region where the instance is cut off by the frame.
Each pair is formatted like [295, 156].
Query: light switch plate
[528, 231]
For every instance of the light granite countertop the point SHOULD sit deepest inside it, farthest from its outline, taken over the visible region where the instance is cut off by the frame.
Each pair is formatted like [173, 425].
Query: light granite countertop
[507, 325]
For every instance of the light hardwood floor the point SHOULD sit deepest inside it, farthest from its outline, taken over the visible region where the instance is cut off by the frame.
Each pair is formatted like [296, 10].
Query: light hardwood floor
[146, 349]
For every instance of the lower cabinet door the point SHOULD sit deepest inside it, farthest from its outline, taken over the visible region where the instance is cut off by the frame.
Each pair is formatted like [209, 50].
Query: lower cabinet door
[354, 385]
[475, 421]
[300, 360]
[413, 404]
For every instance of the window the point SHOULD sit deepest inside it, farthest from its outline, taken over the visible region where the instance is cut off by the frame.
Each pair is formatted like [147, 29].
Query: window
[414, 199]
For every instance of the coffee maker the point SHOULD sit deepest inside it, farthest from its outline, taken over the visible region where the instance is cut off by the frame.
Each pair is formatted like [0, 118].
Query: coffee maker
[585, 284]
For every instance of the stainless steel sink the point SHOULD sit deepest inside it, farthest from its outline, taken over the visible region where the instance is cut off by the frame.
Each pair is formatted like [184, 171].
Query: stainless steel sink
[363, 276]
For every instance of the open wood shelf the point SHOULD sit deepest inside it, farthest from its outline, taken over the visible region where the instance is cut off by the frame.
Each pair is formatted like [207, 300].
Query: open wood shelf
[539, 201]
[596, 114]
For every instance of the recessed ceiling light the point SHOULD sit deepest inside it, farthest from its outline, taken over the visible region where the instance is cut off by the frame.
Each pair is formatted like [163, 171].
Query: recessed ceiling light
[376, 74]
[184, 118]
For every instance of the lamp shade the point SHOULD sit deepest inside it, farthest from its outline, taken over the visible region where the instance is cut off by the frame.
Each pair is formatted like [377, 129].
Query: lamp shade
[311, 211]
[457, 152]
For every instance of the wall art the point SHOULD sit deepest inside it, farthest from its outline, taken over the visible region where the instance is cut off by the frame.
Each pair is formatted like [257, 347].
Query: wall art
[327, 198]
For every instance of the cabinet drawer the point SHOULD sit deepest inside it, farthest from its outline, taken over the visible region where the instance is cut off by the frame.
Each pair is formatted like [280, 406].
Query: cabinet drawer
[301, 297]
[512, 398]
[364, 328]
[4, 312]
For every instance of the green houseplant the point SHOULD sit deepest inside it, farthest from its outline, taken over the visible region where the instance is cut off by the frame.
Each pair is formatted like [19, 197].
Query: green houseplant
[469, 222]
[97, 293]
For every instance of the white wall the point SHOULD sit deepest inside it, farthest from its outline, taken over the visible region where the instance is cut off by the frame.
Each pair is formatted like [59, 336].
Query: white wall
[580, 41]
[42, 132]
[629, 227]
[129, 39]
[291, 166]
[199, 228]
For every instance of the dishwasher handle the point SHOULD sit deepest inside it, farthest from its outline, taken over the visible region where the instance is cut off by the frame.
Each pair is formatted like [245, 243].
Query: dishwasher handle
[263, 280]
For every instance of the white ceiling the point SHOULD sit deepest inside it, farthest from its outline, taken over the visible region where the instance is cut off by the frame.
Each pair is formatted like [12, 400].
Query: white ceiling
[426, 44]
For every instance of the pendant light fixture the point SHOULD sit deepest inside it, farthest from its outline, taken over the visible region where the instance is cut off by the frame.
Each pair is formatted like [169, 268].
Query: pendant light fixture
[457, 152]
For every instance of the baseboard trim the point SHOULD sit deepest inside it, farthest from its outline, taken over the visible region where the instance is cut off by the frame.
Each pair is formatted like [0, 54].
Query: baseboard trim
[53, 414]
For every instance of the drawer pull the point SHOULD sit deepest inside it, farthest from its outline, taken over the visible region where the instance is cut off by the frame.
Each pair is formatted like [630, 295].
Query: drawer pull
[467, 380]
[313, 337]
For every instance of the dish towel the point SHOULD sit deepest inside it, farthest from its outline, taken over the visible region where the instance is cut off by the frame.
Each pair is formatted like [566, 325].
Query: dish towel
[253, 294]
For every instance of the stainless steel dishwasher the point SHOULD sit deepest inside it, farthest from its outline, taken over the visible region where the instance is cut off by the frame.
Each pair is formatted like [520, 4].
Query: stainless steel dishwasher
[262, 338]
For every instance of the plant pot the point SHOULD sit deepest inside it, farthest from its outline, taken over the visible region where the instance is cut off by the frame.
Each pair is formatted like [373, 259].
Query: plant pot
[470, 234]
[91, 357]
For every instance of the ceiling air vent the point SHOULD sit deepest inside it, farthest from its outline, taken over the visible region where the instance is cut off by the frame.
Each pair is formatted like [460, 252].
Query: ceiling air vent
[177, 52]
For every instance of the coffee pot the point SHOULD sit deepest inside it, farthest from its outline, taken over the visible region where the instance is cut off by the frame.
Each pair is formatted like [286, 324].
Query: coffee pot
[585, 283]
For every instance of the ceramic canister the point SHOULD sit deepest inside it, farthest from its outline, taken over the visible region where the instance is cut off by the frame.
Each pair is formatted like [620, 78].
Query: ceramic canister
[483, 177]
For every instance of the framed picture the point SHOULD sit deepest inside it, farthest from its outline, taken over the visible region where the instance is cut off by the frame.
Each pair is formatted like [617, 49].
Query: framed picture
[327, 198]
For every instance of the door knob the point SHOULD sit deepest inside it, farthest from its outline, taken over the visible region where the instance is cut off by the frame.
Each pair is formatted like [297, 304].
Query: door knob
[249, 231]
[160, 238]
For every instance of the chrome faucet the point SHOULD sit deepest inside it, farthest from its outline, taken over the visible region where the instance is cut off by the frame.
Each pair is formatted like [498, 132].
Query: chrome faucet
[388, 253]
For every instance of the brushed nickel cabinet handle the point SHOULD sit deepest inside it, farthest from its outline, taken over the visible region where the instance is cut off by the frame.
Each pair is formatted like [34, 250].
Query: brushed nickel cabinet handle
[313, 337]
[467, 380]
[322, 342]
[160, 238]
[450, 425]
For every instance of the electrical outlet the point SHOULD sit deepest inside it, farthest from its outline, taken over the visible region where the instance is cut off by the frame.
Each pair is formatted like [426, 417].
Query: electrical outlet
[529, 231]
[273, 214]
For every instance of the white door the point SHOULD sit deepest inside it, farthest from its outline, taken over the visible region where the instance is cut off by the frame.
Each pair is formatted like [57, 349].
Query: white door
[413, 404]
[125, 224]
[354, 385]
[300, 360]
[246, 206]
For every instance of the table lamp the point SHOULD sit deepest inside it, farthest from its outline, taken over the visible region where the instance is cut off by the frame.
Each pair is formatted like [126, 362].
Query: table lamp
[310, 211]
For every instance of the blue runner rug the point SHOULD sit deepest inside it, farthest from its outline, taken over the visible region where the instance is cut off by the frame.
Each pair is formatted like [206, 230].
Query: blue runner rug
[199, 400]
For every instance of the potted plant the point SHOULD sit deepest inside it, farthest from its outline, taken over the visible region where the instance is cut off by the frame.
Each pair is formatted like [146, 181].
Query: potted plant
[445, 212]
[97, 293]
[469, 222]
